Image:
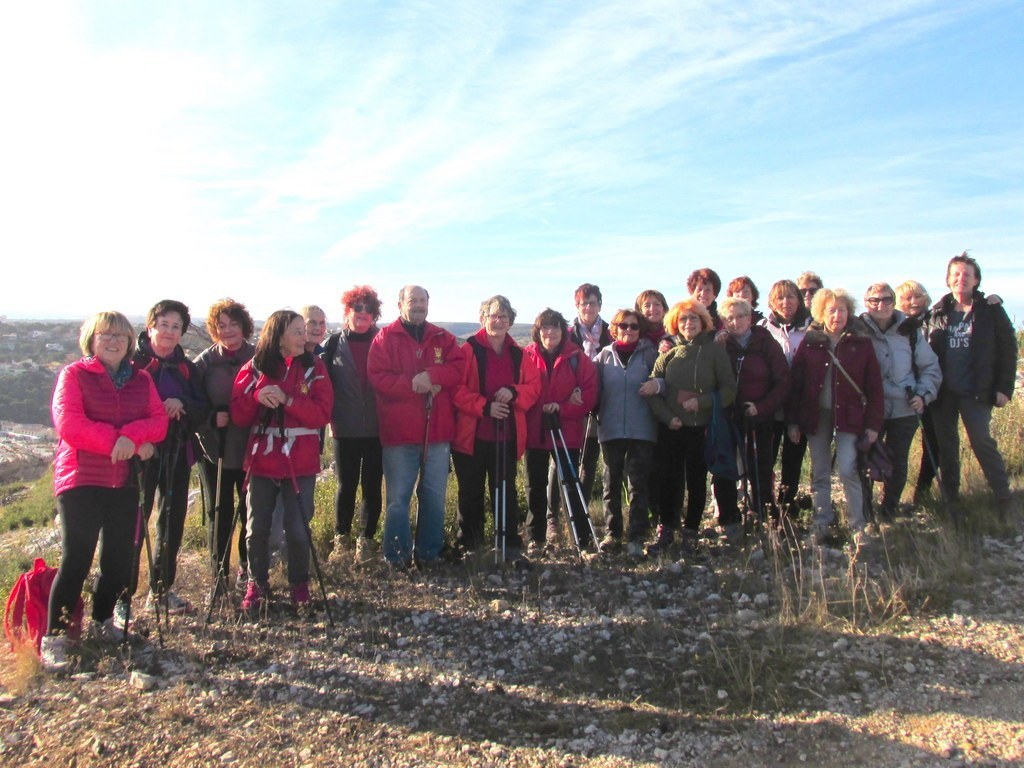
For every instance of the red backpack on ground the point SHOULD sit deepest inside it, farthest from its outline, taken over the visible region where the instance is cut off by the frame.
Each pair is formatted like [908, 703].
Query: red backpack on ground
[28, 608]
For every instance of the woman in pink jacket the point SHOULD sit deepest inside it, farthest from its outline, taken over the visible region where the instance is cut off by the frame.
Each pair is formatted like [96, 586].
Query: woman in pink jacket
[105, 413]
[568, 390]
[284, 396]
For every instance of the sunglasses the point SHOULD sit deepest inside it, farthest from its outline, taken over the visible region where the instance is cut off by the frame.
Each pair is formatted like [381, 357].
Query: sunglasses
[362, 308]
[629, 326]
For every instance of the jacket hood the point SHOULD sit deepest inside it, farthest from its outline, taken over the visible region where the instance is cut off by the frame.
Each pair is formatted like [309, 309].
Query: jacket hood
[854, 329]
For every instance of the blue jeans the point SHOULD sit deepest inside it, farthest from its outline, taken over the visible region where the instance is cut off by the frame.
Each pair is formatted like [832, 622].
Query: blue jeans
[401, 469]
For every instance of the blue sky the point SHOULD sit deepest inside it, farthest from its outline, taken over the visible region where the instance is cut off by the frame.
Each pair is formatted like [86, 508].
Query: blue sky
[281, 152]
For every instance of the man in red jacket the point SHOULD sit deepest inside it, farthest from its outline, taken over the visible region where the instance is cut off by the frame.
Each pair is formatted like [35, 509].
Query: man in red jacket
[414, 367]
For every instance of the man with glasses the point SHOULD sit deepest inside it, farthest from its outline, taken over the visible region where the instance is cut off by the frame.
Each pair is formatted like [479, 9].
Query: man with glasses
[910, 380]
[977, 351]
[591, 334]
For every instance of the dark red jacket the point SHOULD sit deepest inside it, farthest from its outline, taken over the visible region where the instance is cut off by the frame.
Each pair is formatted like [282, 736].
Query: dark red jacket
[306, 382]
[851, 412]
[90, 414]
[571, 369]
[762, 373]
[395, 357]
[471, 404]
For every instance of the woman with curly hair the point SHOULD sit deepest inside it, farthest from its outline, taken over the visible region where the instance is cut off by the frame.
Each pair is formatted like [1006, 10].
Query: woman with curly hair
[230, 327]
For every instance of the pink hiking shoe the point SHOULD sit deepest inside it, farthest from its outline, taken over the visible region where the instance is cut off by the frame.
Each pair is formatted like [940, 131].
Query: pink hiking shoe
[300, 594]
[255, 597]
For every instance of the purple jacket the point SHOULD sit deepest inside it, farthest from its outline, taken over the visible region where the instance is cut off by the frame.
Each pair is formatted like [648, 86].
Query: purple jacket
[852, 412]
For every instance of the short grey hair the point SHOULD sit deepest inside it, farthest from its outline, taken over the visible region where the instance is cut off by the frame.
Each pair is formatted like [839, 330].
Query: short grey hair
[504, 305]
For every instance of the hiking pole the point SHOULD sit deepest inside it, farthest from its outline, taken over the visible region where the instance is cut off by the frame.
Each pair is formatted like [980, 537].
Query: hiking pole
[762, 512]
[563, 483]
[141, 533]
[930, 452]
[170, 471]
[428, 407]
[260, 432]
[500, 499]
[286, 449]
[218, 562]
[573, 479]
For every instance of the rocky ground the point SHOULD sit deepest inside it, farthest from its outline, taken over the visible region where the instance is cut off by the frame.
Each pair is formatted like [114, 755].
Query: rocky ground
[766, 654]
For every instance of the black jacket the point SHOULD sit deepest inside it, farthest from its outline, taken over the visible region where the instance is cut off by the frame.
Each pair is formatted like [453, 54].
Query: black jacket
[993, 345]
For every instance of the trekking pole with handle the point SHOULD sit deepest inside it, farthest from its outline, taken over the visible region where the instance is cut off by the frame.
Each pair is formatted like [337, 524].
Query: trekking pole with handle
[141, 530]
[929, 451]
[286, 450]
[567, 478]
[261, 430]
[500, 498]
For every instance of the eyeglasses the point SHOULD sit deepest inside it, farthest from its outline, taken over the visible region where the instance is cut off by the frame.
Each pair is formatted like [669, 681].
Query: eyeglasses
[106, 338]
[876, 301]
[498, 318]
[808, 291]
[689, 319]
[628, 326]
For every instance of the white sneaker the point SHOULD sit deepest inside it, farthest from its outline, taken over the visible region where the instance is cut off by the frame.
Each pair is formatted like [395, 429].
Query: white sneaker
[53, 653]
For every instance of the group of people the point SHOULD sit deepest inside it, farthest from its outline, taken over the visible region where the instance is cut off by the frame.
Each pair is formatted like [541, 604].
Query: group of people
[654, 391]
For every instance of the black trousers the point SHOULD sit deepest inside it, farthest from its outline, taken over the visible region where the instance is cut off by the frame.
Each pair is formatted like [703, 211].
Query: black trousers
[473, 473]
[89, 515]
[359, 465]
[230, 507]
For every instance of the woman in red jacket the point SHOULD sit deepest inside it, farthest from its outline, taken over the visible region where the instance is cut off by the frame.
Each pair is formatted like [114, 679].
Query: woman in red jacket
[569, 389]
[284, 395]
[835, 389]
[497, 384]
[105, 413]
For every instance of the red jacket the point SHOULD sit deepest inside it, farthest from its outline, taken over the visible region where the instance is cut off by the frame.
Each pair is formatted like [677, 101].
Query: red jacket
[306, 382]
[856, 354]
[762, 378]
[90, 414]
[395, 357]
[572, 369]
[472, 405]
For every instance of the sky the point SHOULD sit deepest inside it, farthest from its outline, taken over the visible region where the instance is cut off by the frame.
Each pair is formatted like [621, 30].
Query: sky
[280, 153]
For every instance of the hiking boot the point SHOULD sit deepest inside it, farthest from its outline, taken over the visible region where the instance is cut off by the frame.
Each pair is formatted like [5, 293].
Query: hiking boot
[610, 544]
[105, 631]
[818, 535]
[635, 550]
[300, 594]
[120, 616]
[661, 545]
[241, 578]
[535, 548]
[554, 534]
[53, 653]
[255, 597]
[366, 550]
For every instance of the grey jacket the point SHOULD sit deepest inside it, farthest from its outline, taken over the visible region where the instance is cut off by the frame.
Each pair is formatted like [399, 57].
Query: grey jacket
[893, 350]
[622, 412]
